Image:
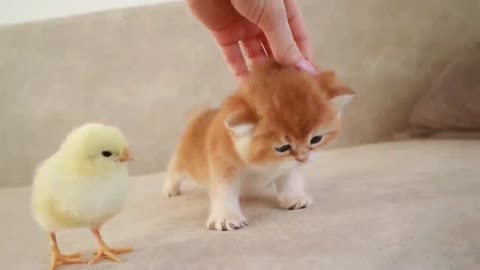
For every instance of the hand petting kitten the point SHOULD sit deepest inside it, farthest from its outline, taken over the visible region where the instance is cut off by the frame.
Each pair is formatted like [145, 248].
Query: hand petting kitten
[277, 121]
[265, 29]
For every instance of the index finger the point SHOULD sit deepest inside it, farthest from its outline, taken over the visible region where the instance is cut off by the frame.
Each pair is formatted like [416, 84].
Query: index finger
[271, 18]
[298, 28]
[228, 41]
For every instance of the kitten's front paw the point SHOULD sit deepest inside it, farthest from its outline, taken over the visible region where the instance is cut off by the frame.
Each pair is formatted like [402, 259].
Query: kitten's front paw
[293, 202]
[226, 222]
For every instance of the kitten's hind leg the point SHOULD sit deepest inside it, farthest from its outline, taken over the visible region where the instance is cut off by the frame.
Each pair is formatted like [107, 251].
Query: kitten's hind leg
[173, 179]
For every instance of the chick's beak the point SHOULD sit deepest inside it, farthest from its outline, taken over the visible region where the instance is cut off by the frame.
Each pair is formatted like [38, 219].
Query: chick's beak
[126, 156]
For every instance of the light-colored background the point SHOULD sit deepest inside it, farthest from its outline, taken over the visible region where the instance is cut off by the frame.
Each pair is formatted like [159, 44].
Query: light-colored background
[21, 11]
[394, 205]
[144, 68]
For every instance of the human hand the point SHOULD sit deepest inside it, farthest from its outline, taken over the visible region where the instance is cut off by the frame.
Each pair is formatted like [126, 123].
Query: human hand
[266, 28]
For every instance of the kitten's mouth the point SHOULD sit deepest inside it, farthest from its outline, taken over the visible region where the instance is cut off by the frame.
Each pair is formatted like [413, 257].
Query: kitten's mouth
[301, 159]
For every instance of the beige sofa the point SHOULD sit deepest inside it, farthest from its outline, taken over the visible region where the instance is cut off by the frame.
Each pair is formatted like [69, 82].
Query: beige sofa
[380, 203]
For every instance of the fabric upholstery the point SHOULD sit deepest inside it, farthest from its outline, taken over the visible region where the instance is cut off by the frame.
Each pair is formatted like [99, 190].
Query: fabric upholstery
[396, 206]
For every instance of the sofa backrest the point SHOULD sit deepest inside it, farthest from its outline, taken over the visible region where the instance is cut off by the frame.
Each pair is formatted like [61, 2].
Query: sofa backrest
[142, 69]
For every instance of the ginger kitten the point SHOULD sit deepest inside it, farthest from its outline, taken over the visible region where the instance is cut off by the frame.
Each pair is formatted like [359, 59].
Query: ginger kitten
[261, 134]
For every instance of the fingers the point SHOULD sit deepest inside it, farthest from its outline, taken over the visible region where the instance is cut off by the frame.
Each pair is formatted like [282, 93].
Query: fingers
[255, 51]
[266, 46]
[271, 17]
[232, 54]
[298, 28]
[234, 57]
[214, 14]
[229, 41]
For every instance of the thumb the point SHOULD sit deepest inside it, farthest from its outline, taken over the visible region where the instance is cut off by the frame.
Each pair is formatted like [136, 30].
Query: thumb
[271, 18]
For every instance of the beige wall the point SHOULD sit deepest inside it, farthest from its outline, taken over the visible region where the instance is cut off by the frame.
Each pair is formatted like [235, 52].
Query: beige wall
[21, 11]
[144, 68]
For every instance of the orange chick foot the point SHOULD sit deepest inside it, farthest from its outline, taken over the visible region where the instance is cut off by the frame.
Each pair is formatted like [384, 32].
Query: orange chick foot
[58, 259]
[104, 252]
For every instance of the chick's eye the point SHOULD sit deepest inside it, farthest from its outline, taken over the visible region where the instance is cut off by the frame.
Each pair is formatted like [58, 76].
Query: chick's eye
[316, 140]
[106, 153]
[283, 148]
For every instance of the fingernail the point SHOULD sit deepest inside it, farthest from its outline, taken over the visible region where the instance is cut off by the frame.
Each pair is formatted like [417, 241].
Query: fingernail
[306, 66]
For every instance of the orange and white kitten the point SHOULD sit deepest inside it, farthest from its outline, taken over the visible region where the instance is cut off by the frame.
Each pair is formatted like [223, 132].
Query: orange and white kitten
[260, 135]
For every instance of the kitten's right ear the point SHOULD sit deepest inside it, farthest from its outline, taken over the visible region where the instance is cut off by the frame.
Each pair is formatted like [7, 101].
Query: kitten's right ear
[241, 121]
[338, 94]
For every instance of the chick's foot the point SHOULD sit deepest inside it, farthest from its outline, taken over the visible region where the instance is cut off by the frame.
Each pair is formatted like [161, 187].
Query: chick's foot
[104, 251]
[57, 259]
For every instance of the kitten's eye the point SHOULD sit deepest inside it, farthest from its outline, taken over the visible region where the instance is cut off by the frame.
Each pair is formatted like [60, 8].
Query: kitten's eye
[316, 140]
[106, 153]
[283, 148]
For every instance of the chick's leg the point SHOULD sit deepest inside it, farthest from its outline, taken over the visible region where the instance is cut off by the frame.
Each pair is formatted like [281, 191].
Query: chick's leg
[58, 259]
[105, 251]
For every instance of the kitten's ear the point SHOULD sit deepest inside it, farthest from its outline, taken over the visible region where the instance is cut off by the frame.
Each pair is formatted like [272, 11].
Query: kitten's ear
[339, 95]
[241, 121]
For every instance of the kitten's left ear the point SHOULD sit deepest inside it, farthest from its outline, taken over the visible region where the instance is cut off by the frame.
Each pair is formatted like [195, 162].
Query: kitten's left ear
[241, 121]
[339, 95]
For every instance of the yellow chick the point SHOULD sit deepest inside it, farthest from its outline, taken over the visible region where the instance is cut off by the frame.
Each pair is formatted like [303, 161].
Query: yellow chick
[83, 184]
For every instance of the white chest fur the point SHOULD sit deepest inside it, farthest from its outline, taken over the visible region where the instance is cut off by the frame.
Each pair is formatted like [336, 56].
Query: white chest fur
[259, 178]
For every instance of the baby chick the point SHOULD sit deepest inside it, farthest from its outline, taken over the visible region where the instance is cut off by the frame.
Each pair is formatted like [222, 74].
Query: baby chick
[83, 184]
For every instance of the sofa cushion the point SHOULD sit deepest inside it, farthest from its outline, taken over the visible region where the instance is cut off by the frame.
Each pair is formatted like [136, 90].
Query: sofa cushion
[403, 205]
[451, 107]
